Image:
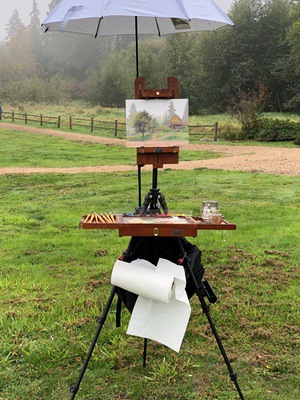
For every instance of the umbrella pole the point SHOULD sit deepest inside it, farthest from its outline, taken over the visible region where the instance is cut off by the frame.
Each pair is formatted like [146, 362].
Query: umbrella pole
[136, 47]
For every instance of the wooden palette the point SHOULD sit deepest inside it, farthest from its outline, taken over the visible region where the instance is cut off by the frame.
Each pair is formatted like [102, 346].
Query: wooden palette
[152, 225]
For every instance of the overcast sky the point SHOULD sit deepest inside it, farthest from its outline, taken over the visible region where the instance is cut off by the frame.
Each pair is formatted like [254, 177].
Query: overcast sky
[24, 8]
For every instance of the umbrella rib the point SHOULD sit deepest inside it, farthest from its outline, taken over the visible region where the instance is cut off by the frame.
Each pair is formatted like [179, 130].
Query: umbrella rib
[98, 26]
[158, 30]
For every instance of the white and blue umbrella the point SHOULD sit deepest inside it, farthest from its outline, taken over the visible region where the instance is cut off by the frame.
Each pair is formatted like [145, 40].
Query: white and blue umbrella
[133, 17]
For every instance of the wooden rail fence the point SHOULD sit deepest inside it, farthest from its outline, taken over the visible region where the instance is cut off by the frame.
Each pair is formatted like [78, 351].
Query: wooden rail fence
[198, 130]
[41, 119]
[96, 125]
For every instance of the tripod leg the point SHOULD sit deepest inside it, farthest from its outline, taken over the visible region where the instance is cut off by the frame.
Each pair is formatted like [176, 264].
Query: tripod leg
[232, 374]
[145, 352]
[163, 203]
[139, 187]
[200, 291]
[74, 388]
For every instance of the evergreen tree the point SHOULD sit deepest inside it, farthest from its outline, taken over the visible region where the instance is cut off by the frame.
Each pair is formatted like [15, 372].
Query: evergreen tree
[15, 26]
[18, 43]
[35, 33]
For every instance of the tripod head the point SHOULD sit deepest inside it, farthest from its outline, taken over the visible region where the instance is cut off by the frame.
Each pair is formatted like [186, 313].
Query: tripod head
[156, 156]
[153, 200]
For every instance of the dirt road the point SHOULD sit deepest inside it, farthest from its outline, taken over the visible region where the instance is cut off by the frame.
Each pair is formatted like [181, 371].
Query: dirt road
[272, 160]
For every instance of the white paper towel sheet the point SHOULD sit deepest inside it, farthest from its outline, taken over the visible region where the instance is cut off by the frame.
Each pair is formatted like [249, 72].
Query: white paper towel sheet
[162, 310]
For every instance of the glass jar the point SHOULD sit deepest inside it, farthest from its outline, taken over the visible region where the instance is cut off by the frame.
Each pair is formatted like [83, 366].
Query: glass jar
[215, 216]
[207, 207]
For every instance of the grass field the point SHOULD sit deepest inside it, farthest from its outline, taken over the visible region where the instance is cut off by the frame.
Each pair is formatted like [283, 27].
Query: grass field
[55, 280]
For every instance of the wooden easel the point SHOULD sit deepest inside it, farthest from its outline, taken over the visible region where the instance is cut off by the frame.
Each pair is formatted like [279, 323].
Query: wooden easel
[170, 93]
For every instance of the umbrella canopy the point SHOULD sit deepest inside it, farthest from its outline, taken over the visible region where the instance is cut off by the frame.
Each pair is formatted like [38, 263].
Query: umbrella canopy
[115, 17]
[125, 17]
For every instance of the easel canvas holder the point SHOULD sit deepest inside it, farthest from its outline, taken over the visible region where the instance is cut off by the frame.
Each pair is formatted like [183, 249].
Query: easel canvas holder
[171, 92]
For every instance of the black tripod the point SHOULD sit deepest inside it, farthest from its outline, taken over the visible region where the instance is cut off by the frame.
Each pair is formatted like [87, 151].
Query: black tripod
[154, 199]
[157, 157]
[152, 248]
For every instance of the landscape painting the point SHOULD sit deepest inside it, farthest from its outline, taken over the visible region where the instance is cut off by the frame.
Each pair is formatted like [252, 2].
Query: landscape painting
[157, 122]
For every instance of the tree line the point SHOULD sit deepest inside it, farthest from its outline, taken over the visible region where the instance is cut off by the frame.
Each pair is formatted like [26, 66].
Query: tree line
[214, 69]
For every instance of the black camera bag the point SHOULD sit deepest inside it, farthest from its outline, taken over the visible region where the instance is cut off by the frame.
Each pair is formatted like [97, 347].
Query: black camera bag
[154, 248]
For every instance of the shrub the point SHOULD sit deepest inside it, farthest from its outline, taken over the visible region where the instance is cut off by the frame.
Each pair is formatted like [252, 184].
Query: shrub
[228, 132]
[247, 108]
[297, 140]
[275, 130]
[250, 133]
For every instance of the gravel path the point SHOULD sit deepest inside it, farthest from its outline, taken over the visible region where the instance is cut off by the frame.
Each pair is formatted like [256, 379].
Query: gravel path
[272, 160]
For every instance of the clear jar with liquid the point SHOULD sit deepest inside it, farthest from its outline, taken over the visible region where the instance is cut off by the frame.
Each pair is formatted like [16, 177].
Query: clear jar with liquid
[215, 216]
[207, 207]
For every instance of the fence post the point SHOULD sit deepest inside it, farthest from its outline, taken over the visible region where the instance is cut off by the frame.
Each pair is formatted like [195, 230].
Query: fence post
[58, 121]
[92, 124]
[70, 122]
[41, 119]
[216, 132]
[12, 116]
[116, 127]
[25, 118]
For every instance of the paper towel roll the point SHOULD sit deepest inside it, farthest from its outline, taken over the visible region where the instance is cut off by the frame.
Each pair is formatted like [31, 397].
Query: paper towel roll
[141, 278]
[164, 322]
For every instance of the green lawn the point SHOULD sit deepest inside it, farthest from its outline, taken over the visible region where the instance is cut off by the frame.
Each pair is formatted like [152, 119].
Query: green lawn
[55, 280]
[51, 151]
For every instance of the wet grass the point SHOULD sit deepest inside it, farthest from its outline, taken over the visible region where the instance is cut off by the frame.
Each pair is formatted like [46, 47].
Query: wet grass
[47, 151]
[55, 280]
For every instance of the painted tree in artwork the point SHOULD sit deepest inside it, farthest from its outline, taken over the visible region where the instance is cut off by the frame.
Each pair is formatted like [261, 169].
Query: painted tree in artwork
[132, 114]
[171, 110]
[143, 122]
